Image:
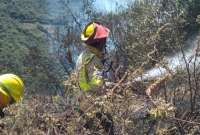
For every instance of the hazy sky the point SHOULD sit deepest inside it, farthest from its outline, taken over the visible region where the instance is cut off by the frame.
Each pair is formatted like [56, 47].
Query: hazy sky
[109, 5]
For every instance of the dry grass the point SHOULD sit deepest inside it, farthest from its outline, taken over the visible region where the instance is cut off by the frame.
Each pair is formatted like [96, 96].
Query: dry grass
[124, 105]
[77, 113]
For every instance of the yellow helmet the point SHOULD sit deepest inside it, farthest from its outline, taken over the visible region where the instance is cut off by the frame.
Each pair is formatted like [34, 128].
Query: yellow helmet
[94, 32]
[88, 31]
[13, 86]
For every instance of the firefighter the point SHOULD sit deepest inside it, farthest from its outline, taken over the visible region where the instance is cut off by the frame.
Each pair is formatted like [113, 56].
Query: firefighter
[90, 63]
[11, 90]
[90, 68]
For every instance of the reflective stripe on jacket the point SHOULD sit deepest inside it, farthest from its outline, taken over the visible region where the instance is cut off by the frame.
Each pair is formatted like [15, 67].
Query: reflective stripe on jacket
[89, 70]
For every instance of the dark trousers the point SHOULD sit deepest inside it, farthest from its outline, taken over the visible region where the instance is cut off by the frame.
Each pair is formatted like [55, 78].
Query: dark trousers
[1, 113]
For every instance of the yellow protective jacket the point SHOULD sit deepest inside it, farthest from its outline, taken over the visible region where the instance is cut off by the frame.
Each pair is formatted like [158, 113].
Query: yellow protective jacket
[89, 71]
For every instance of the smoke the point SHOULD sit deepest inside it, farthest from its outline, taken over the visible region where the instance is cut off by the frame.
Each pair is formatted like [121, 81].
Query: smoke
[177, 61]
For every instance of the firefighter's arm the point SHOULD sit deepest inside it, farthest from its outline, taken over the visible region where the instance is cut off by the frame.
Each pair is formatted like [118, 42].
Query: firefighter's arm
[87, 83]
[90, 76]
[84, 79]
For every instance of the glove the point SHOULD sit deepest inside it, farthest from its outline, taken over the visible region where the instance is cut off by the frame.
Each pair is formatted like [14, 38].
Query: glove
[158, 113]
[109, 84]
